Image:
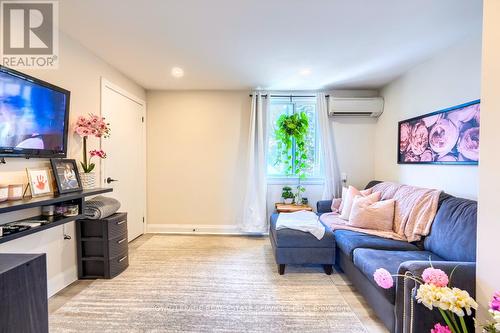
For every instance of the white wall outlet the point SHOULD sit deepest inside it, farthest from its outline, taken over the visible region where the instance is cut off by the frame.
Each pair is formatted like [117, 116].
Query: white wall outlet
[343, 176]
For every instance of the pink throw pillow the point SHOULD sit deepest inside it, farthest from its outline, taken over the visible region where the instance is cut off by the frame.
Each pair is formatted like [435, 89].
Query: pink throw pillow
[377, 215]
[345, 209]
[336, 202]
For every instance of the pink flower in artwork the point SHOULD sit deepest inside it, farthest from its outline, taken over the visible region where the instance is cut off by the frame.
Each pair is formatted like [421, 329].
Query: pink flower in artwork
[438, 328]
[404, 136]
[427, 156]
[495, 302]
[383, 278]
[443, 136]
[447, 158]
[460, 116]
[411, 157]
[419, 138]
[431, 120]
[477, 117]
[435, 276]
[469, 144]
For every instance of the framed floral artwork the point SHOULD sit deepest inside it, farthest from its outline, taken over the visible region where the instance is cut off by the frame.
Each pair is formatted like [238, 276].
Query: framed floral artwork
[39, 181]
[449, 136]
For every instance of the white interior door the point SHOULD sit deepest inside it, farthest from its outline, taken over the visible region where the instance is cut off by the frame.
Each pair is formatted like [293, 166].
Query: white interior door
[124, 168]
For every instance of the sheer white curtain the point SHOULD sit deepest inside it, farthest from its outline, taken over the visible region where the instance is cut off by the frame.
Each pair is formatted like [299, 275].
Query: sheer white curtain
[333, 185]
[254, 214]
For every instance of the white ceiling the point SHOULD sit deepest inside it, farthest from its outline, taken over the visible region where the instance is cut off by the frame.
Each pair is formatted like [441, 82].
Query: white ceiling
[242, 44]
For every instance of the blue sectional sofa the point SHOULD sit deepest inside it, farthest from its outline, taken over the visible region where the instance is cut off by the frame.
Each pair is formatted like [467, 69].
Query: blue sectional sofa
[451, 242]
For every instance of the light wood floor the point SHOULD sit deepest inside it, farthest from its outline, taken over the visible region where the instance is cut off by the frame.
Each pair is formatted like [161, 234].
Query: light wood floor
[351, 296]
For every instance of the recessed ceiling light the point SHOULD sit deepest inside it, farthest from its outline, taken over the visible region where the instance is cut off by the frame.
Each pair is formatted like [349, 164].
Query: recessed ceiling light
[305, 71]
[177, 72]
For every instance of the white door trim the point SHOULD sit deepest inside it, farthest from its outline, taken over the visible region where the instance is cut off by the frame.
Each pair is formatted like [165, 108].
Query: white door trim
[106, 84]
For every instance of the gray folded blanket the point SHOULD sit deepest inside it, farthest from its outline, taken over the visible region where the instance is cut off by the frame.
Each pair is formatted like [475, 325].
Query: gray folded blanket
[100, 207]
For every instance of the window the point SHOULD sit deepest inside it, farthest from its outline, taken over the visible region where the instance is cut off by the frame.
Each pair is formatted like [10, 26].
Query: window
[286, 105]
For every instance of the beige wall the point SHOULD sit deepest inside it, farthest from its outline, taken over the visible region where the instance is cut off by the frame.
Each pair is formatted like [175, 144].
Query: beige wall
[355, 141]
[197, 148]
[196, 145]
[488, 233]
[80, 71]
[450, 78]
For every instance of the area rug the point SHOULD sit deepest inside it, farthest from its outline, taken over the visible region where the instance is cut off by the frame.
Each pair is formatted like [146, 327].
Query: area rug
[208, 284]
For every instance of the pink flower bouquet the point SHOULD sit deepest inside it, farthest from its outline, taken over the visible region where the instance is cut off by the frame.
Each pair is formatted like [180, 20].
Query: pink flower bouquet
[91, 126]
[434, 292]
[494, 309]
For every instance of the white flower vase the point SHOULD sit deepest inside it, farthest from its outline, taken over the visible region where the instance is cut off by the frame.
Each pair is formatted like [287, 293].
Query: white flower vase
[88, 180]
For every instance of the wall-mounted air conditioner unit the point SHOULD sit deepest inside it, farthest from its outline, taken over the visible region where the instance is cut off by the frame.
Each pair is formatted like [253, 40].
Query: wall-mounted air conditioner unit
[355, 107]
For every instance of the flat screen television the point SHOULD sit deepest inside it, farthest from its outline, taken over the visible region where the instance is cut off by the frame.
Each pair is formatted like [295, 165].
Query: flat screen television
[33, 116]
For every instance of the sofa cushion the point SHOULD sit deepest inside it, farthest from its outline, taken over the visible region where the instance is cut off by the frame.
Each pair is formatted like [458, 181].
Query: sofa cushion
[297, 238]
[347, 241]
[369, 260]
[453, 232]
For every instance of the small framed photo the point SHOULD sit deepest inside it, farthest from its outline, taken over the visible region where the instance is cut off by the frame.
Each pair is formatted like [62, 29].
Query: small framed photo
[66, 175]
[39, 181]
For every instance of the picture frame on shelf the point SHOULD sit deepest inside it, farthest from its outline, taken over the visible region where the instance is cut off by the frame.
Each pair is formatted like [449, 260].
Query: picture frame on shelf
[39, 182]
[66, 175]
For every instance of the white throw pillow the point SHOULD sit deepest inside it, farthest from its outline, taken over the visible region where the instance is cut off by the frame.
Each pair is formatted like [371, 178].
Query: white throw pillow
[344, 194]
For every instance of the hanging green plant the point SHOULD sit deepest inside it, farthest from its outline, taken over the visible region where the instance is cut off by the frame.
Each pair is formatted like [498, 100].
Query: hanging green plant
[292, 129]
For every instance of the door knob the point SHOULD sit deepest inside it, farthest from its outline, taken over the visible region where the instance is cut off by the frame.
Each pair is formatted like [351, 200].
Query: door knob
[110, 180]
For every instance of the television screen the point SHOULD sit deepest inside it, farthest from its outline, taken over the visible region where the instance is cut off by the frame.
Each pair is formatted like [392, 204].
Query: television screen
[33, 116]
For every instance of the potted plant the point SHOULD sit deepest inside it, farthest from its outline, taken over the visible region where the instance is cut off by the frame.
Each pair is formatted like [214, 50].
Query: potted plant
[291, 135]
[292, 129]
[86, 127]
[287, 195]
[298, 196]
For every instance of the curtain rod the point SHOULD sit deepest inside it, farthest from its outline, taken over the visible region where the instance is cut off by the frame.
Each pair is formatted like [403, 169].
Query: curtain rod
[289, 96]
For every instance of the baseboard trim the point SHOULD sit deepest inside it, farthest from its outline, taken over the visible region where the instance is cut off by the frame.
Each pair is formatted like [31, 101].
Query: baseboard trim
[199, 229]
[61, 280]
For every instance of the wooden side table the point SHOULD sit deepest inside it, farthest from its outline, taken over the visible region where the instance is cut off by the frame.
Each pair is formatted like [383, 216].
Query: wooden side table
[290, 208]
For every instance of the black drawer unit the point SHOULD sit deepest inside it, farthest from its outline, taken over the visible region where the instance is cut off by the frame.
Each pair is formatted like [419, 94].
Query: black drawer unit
[102, 247]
